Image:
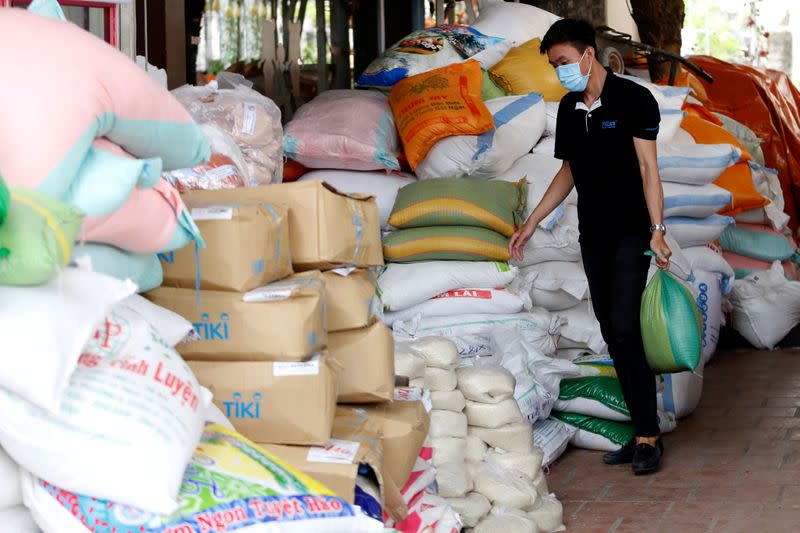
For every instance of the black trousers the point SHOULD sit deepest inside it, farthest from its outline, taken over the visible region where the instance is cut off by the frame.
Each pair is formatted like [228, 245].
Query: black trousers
[617, 275]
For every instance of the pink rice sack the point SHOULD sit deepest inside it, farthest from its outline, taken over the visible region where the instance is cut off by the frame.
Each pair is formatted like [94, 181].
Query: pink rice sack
[346, 130]
[65, 88]
[150, 220]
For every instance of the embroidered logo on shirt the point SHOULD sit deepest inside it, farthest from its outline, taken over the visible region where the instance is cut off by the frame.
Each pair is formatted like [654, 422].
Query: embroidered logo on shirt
[651, 129]
[609, 124]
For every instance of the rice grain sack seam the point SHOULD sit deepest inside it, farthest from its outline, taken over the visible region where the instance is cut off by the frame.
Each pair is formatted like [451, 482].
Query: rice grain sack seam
[495, 205]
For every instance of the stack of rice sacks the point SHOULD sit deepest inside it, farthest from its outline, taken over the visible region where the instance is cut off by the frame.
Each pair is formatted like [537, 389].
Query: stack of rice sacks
[104, 162]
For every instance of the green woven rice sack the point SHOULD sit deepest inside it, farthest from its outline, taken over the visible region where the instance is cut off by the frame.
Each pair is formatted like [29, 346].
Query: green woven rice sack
[756, 244]
[617, 432]
[454, 243]
[5, 198]
[595, 395]
[671, 325]
[36, 238]
[494, 205]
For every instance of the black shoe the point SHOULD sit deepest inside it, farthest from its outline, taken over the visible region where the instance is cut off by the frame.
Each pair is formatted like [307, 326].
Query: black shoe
[622, 456]
[646, 458]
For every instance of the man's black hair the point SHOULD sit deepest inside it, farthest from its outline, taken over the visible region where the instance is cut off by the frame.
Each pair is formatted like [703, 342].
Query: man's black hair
[577, 32]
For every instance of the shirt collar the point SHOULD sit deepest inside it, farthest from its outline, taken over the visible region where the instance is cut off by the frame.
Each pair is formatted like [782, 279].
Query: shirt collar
[611, 78]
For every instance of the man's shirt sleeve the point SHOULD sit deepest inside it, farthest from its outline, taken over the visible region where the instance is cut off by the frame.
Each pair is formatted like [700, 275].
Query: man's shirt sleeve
[563, 133]
[644, 113]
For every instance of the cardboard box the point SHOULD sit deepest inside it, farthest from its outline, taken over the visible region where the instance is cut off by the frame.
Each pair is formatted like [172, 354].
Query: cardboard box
[352, 302]
[367, 358]
[275, 402]
[404, 425]
[355, 440]
[288, 327]
[327, 228]
[247, 244]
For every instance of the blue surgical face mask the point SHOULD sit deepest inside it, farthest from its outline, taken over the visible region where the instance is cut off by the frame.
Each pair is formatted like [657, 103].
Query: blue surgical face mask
[571, 77]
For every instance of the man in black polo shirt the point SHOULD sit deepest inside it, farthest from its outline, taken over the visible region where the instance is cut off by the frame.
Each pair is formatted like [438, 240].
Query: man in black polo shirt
[606, 136]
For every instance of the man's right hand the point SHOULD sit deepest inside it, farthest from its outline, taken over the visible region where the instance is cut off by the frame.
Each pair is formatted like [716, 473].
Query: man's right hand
[516, 245]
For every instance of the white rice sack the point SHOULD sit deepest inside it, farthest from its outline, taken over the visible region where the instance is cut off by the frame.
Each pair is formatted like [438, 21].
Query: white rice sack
[449, 450]
[505, 488]
[448, 400]
[476, 448]
[506, 521]
[466, 301]
[405, 284]
[557, 285]
[453, 479]
[513, 437]
[440, 379]
[582, 329]
[516, 22]
[417, 383]
[519, 122]
[471, 332]
[527, 464]
[704, 259]
[408, 364]
[18, 519]
[493, 415]
[44, 330]
[540, 482]
[471, 508]
[549, 516]
[552, 437]
[695, 164]
[690, 232]
[10, 488]
[485, 384]
[698, 201]
[130, 393]
[766, 306]
[539, 169]
[448, 424]
[438, 352]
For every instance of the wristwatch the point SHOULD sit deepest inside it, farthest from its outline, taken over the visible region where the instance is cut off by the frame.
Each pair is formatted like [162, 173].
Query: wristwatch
[658, 227]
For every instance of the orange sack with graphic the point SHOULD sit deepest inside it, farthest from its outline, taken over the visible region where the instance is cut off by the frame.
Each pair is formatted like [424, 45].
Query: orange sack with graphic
[438, 104]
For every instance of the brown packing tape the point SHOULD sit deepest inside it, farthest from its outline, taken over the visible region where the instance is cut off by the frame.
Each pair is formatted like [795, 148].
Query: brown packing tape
[405, 427]
[231, 329]
[351, 299]
[367, 356]
[286, 403]
[327, 228]
[353, 425]
[247, 246]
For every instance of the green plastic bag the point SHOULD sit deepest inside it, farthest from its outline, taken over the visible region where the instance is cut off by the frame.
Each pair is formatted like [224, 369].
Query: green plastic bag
[617, 432]
[671, 325]
[604, 390]
[5, 199]
[36, 238]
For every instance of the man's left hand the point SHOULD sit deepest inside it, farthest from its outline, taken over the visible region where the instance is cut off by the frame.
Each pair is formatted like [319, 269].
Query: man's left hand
[659, 247]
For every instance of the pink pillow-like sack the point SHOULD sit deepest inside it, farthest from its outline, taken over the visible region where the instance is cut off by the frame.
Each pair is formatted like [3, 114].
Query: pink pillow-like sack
[150, 220]
[64, 88]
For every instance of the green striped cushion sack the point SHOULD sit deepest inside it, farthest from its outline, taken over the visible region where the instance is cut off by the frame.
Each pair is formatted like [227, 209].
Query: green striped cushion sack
[495, 205]
[456, 243]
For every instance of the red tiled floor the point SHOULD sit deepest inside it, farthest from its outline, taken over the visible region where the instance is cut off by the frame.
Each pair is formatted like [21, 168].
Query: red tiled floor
[733, 466]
